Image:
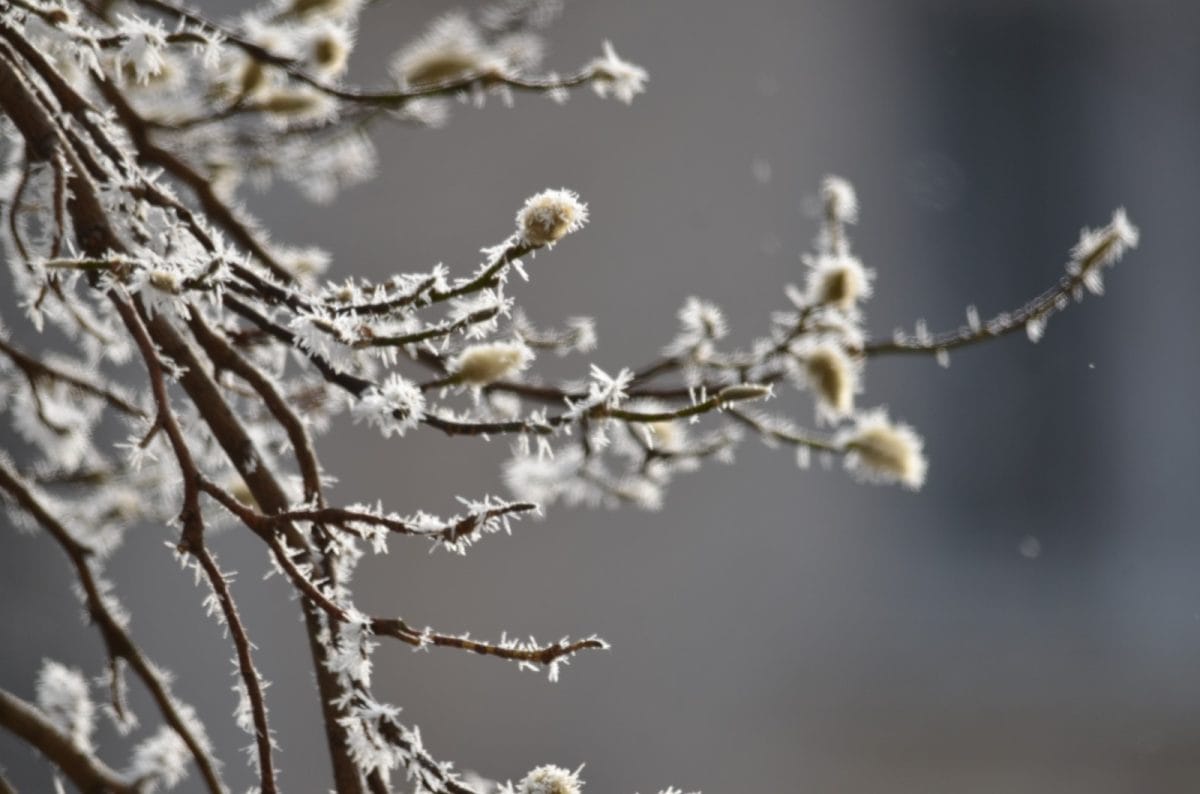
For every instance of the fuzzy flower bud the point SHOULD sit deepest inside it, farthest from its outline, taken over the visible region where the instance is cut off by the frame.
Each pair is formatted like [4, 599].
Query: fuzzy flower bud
[550, 780]
[879, 450]
[315, 7]
[453, 48]
[833, 378]
[395, 406]
[841, 203]
[838, 281]
[62, 694]
[483, 364]
[550, 216]
[329, 49]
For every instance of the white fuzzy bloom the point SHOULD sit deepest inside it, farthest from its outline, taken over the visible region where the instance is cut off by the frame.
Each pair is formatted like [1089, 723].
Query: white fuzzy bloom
[550, 780]
[452, 48]
[611, 75]
[839, 281]
[161, 759]
[879, 450]
[329, 48]
[700, 324]
[834, 379]
[840, 200]
[62, 694]
[702, 319]
[480, 365]
[583, 334]
[550, 216]
[395, 406]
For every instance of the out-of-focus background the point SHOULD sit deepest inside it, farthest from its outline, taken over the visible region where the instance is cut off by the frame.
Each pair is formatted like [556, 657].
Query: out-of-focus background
[1029, 622]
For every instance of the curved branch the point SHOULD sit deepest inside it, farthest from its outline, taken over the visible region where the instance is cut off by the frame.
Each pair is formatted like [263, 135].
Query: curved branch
[84, 770]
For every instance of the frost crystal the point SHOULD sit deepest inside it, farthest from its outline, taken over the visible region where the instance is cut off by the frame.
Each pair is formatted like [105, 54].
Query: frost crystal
[143, 49]
[614, 76]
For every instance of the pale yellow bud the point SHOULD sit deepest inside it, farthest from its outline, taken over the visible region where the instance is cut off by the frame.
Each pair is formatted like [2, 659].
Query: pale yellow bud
[880, 450]
[483, 364]
[550, 216]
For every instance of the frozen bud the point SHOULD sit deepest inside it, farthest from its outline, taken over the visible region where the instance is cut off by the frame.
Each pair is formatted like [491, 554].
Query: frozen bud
[451, 49]
[483, 364]
[839, 281]
[329, 49]
[238, 489]
[743, 391]
[550, 216]
[162, 759]
[839, 200]
[666, 436]
[395, 406]
[296, 103]
[304, 262]
[315, 7]
[164, 281]
[611, 75]
[58, 16]
[834, 379]
[550, 780]
[879, 450]
[62, 694]
[703, 320]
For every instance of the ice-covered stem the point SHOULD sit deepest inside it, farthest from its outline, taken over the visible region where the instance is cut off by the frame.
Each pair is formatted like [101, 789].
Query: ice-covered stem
[342, 517]
[389, 99]
[85, 770]
[396, 628]
[117, 641]
[266, 490]
[225, 357]
[36, 370]
[782, 434]
[245, 661]
[95, 238]
[220, 213]
[1095, 250]
[193, 541]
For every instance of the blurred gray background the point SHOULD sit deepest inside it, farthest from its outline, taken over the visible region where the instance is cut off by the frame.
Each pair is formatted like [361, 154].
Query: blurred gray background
[774, 629]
